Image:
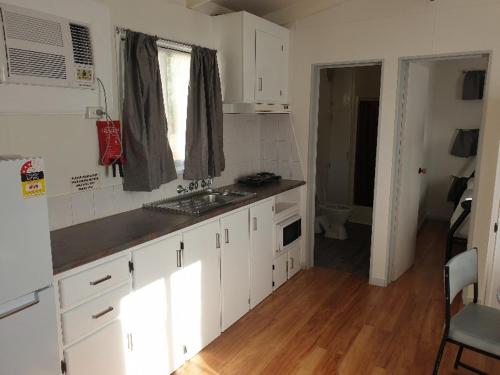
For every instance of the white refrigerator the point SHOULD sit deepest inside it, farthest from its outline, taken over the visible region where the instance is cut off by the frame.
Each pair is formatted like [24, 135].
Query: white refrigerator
[28, 328]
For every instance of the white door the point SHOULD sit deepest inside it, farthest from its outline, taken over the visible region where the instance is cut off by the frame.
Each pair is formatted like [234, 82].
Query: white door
[293, 260]
[280, 270]
[102, 353]
[28, 336]
[411, 159]
[261, 252]
[201, 286]
[338, 189]
[155, 312]
[235, 263]
[269, 67]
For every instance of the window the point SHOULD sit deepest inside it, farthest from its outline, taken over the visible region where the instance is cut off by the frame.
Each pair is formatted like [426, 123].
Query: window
[175, 70]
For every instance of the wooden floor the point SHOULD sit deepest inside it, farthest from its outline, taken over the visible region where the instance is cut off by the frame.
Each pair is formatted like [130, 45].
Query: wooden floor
[328, 322]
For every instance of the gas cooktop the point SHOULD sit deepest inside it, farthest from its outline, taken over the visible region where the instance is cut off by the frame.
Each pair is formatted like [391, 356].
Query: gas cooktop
[259, 179]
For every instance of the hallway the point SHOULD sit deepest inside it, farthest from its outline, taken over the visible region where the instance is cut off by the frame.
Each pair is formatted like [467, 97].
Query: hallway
[329, 322]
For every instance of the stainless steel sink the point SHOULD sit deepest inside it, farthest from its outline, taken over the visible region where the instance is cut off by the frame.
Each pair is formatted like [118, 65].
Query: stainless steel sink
[199, 202]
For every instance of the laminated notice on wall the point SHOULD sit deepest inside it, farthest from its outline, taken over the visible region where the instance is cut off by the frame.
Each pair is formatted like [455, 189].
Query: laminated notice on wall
[85, 182]
[32, 179]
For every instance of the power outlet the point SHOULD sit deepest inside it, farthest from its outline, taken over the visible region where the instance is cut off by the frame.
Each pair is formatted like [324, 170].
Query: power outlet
[91, 113]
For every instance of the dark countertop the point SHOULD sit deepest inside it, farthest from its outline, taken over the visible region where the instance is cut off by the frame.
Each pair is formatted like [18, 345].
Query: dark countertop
[84, 243]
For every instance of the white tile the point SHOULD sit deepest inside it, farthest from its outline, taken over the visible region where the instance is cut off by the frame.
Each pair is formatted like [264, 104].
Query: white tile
[295, 152]
[284, 169]
[296, 171]
[82, 207]
[284, 150]
[270, 166]
[284, 129]
[60, 215]
[270, 151]
[104, 202]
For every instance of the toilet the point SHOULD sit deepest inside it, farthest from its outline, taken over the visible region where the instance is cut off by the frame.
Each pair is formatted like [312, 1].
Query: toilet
[332, 220]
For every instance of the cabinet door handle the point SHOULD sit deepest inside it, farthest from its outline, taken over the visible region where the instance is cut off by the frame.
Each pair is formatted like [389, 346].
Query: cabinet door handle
[291, 259]
[217, 240]
[102, 313]
[97, 282]
[179, 258]
[260, 83]
[226, 234]
[255, 224]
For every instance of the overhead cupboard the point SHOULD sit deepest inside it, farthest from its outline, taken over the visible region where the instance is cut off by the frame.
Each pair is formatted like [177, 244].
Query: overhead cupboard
[148, 309]
[253, 59]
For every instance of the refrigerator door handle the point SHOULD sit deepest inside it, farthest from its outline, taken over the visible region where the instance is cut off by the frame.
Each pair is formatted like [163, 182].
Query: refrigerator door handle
[19, 308]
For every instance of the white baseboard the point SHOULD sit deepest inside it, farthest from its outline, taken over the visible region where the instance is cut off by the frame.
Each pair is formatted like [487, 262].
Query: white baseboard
[378, 282]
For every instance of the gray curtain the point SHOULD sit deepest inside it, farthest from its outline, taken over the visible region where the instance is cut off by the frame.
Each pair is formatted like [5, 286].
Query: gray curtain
[148, 158]
[204, 146]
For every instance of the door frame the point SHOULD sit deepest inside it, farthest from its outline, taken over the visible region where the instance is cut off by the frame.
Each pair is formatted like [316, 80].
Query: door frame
[313, 139]
[404, 63]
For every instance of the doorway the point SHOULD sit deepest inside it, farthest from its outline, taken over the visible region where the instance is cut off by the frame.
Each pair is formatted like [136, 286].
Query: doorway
[438, 136]
[348, 113]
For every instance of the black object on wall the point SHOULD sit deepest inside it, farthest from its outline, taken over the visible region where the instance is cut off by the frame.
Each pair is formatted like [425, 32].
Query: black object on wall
[473, 88]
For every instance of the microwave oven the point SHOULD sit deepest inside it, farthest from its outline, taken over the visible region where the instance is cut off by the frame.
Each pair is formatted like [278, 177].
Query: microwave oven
[288, 233]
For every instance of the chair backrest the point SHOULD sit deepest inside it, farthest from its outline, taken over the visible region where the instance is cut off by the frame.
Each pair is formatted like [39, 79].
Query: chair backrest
[462, 272]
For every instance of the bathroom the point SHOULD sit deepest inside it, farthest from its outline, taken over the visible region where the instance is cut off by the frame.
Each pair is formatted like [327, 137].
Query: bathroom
[345, 166]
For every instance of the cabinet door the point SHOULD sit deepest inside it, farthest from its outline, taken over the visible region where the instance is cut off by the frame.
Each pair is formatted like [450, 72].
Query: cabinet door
[156, 309]
[201, 287]
[102, 353]
[293, 261]
[270, 68]
[261, 252]
[235, 263]
[280, 270]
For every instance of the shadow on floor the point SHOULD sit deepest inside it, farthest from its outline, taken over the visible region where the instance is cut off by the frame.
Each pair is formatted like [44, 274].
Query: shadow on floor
[351, 255]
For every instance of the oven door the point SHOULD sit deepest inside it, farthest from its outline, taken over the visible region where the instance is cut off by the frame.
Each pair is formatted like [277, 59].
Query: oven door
[289, 232]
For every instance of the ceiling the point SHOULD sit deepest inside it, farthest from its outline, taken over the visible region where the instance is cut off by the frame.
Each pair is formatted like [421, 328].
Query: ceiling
[257, 7]
[282, 12]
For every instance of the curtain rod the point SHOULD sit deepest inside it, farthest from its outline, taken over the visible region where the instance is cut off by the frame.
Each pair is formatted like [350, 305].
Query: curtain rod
[120, 29]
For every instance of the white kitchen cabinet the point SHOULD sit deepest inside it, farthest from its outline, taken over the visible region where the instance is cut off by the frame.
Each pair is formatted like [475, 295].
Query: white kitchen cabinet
[200, 281]
[155, 316]
[280, 270]
[253, 58]
[261, 251]
[293, 261]
[102, 353]
[235, 267]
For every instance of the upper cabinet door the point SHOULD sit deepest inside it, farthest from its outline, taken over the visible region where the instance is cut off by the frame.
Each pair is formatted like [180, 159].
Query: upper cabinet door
[235, 263]
[270, 68]
[201, 286]
[261, 251]
[155, 308]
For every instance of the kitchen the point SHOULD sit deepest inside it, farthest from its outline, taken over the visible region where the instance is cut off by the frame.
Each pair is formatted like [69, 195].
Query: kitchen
[134, 292]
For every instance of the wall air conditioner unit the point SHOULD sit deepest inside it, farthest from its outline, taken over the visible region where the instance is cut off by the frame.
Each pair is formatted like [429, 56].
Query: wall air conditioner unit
[45, 50]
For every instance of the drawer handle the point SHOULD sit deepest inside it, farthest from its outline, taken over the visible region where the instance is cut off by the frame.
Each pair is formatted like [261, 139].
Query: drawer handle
[105, 278]
[102, 313]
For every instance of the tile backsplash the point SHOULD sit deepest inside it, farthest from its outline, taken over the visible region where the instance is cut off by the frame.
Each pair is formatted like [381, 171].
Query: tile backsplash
[252, 143]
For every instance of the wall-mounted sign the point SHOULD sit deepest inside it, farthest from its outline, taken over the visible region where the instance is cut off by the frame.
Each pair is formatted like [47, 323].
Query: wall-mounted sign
[32, 179]
[85, 182]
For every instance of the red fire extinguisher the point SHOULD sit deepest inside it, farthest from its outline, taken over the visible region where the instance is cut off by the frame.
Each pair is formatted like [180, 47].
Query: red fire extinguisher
[110, 145]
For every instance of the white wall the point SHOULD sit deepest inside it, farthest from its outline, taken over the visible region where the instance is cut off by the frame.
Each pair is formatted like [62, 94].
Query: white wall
[68, 142]
[386, 30]
[448, 112]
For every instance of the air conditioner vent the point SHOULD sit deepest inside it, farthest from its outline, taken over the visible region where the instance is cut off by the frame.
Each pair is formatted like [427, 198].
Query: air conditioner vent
[82, 45]
[36, 64]
[32, 29]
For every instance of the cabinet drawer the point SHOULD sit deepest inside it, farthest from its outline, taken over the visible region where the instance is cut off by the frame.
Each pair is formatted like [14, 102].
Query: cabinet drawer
[88, 283]
[93, 314]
